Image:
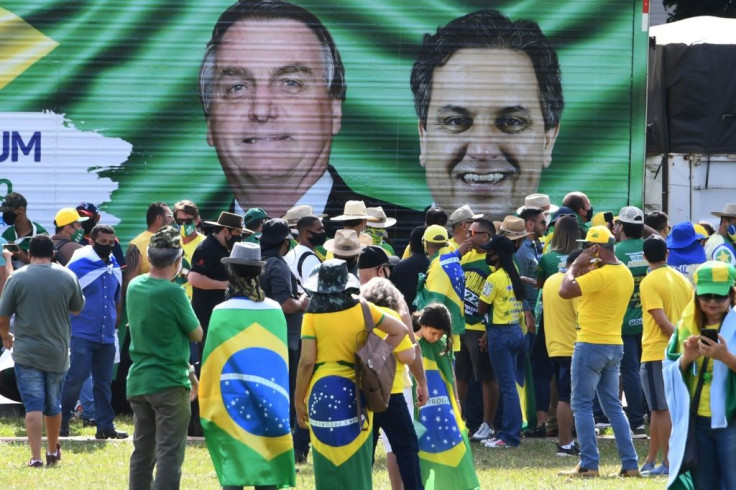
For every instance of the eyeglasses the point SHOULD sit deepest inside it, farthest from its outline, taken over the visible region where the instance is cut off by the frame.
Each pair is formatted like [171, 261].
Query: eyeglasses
[185, 221]
[712, 297]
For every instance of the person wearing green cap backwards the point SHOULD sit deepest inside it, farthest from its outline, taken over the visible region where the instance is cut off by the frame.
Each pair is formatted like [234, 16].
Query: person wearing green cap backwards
[700, 381]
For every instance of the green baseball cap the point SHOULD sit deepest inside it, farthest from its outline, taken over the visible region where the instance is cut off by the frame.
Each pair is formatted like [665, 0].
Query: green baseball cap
[714, 277]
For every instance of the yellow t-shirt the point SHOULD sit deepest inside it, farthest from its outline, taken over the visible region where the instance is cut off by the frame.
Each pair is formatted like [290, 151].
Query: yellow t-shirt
[560, 318]
[606, 293]
[405, 344]
[141, 242]
[666, 289]
[189, 249]
[499, 294]
[704, 404]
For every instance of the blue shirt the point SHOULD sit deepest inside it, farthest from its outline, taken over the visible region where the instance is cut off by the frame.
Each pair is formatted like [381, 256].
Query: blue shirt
[96, 322]
[527, 260]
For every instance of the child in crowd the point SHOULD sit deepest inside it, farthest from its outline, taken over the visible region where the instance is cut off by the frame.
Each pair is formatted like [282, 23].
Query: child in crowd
[444, 450]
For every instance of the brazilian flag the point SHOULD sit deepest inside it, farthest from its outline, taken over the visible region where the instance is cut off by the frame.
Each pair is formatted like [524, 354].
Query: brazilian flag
[444, 450]
[444, 283]
[341, 439]
[244, 395]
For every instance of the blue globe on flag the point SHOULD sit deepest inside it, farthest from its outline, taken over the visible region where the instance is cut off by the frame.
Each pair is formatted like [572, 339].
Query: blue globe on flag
[254, 385]
[438, 417]
[333, 413]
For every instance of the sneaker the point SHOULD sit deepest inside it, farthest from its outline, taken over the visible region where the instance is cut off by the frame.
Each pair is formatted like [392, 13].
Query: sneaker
[552, 432]
[111, 434]
[538, 433]
[647, 467]
[661, 470]
[35, 463]
[52, 459]
[483, 432]
[579, 472]
[628, 473]
[496, 443]
[64, 432]
[639, 432]
[571, 450]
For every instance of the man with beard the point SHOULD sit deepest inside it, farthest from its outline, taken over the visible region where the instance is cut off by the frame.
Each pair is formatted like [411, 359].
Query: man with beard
[272, 112]
[488, 96]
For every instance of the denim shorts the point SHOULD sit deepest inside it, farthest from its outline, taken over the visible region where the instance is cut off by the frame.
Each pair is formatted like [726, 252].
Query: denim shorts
[40, 390]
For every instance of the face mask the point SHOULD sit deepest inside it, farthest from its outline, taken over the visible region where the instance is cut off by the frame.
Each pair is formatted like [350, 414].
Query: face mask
[88, 225]
[376, 235]
[77, 235]
[9, 217]
[232, 241]
[103, 251]
[589, 216]
[317, 239]
[732, 232]
[187, 229]
[351, 263]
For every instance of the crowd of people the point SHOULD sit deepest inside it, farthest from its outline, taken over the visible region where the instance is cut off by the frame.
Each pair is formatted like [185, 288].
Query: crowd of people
[244, 329]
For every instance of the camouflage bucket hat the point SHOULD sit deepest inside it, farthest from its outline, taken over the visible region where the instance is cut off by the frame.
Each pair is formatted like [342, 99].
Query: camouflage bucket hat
[166, 237]
[331, 276]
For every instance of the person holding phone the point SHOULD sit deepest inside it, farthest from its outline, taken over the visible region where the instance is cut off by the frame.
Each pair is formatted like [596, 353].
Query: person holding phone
[700, 370]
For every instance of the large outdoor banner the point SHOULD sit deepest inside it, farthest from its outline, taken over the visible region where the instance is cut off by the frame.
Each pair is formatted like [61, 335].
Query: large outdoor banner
[403, 103]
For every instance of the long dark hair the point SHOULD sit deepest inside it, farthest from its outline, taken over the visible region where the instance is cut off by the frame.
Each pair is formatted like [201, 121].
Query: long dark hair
[504, 249]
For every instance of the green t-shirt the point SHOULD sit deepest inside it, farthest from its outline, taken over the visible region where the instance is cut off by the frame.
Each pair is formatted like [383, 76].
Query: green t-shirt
[23, 242]
[550, 263]
[161, 319]
[630, 252]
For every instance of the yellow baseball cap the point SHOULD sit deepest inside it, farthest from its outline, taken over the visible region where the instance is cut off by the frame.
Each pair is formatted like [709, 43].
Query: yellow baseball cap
[598, 234]
[67, 216]
[435, 234]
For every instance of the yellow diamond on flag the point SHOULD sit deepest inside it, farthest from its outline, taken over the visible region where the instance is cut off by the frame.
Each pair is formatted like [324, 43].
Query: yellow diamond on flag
[22, 45]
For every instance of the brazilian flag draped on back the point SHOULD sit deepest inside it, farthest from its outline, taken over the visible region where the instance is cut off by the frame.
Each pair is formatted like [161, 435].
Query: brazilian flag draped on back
[244, 395]
[444, 450]
[444, 283]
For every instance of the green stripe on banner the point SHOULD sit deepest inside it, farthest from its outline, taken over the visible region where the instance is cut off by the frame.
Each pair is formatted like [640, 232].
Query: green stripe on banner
[354, 474]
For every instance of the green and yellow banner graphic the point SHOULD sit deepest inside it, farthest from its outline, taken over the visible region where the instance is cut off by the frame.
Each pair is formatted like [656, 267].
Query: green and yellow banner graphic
[100, 102]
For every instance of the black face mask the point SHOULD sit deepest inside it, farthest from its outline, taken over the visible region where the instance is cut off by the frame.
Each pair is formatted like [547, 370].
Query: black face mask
[589, 215]
[351, 263]
[9, 217]
[317, 239]
[232, 241]
[103, 251]
[88, 225]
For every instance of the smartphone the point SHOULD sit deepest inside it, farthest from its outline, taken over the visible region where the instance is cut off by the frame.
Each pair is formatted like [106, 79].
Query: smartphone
[11, 247]
[608, 217]
[710, 333]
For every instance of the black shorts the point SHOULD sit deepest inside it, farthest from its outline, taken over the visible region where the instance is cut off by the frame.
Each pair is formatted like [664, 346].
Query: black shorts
[470, 360]
[562, 377]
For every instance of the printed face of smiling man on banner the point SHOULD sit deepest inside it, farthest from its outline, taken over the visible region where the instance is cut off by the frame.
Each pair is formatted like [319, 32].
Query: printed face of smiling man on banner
[488, 95]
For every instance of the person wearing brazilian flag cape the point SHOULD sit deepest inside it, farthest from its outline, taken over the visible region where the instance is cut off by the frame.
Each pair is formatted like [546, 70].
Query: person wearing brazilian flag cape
[444, 450]
[325, 396]
[244, 386]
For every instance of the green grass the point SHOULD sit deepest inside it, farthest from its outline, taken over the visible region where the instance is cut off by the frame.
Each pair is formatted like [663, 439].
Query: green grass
[91, 464]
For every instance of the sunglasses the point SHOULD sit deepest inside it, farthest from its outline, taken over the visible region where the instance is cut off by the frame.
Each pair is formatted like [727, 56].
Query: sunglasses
[475, 233]
[712, 298]
[187, 221]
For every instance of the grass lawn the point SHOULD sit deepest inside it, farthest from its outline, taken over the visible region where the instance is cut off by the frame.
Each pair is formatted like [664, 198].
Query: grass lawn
[92, 464]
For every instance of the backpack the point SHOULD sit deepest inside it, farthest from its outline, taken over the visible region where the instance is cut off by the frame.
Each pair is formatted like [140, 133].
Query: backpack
[375, 368]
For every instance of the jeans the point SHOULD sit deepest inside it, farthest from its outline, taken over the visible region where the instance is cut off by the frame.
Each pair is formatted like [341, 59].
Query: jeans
[95, 358]
[504, 345]
[87, 399]
[595, 370]
[396, 422]
[300, 436]
[716, 450]
[631, 380]
[39, 390]
[542, 372]
[160, 438]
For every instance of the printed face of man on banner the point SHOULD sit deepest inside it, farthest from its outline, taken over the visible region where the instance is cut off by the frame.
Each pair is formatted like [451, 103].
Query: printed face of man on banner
[489, 100]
